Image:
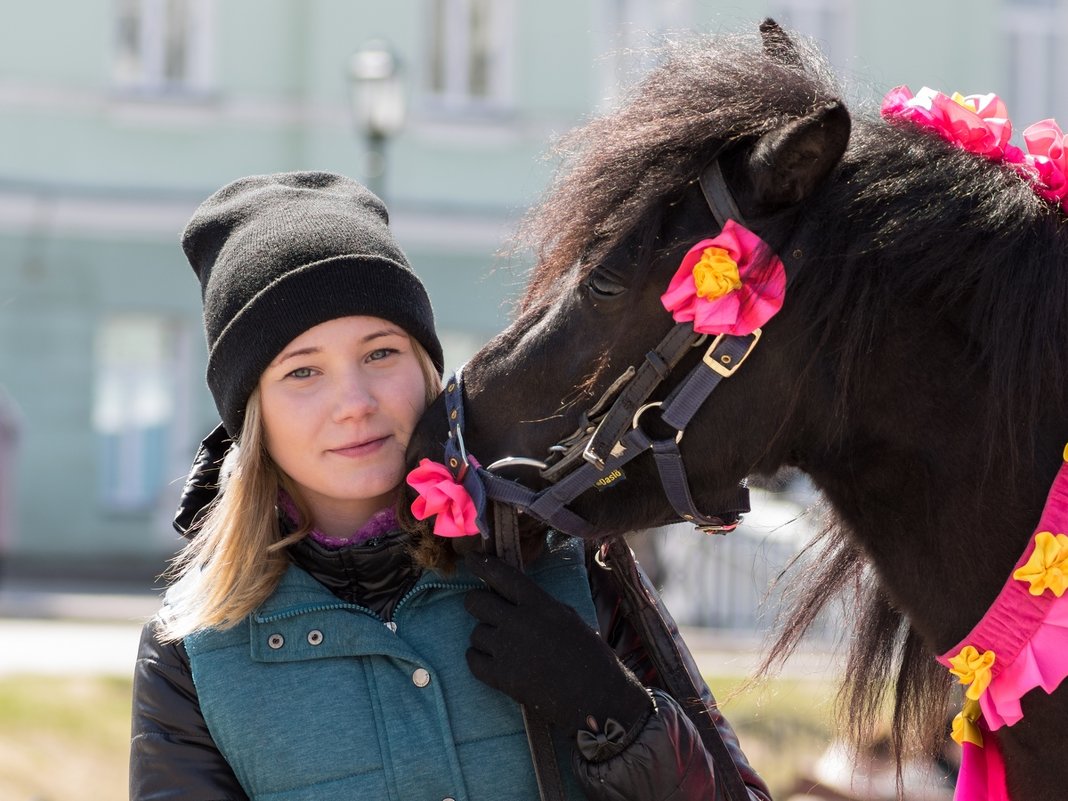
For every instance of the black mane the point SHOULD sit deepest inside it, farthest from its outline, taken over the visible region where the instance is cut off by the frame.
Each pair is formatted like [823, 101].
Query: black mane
[911, 219]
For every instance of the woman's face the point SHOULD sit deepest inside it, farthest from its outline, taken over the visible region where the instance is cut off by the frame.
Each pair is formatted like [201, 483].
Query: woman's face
[339, 404]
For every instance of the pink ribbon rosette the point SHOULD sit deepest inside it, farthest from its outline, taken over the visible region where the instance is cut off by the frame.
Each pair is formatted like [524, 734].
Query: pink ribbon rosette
[727, 285]
[977, 123]
[1047, 156]
[440, 495]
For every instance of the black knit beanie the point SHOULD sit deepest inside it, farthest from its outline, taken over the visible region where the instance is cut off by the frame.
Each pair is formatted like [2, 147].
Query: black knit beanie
[279, 254]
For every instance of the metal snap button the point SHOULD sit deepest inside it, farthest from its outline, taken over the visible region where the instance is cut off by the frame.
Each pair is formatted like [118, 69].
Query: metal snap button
[276, 641]
[421, 677]
[315, 637]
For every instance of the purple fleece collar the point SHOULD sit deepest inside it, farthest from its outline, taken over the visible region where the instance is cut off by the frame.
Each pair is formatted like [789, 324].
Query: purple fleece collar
[381, 522]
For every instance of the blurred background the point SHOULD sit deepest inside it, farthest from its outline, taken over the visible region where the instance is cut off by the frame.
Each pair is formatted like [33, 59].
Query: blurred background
[117, 117]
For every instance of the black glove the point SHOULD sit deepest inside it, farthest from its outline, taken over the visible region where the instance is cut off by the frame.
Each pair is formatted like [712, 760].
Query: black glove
[538, 650]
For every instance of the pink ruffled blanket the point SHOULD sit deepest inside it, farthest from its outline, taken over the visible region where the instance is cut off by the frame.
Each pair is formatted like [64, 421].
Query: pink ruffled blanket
[1028, 637]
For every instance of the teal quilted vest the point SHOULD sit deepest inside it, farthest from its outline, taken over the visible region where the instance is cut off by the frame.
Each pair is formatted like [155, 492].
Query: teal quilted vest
[315, 699]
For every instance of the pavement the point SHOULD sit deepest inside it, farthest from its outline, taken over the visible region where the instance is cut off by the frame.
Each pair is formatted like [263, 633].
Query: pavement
[69, 629]
[57, 630]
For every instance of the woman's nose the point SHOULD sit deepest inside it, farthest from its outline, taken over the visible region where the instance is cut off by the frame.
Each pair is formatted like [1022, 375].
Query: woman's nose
[354, 398]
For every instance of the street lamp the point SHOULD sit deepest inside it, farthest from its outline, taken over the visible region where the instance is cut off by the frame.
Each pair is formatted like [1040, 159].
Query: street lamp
[377, 95]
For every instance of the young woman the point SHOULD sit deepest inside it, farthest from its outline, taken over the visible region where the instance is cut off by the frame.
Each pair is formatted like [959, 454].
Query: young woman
[301, 652]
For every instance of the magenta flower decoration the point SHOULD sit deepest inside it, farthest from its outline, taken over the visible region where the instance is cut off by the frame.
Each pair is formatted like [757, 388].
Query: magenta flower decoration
[727, 285]
[977, 123]
[440, 495]
[1047, 158]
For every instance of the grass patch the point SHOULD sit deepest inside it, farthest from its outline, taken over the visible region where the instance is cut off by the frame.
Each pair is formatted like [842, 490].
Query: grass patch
[784, 725]
[64, 738]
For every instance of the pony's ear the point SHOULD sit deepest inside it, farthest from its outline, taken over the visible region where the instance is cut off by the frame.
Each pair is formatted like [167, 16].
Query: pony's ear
[787, 164]
[778, 45]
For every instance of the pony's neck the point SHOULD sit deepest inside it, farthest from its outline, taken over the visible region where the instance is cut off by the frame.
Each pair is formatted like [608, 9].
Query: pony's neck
[943, 533]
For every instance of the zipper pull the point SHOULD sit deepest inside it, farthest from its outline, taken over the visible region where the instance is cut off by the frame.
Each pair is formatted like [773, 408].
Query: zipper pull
[391, 626]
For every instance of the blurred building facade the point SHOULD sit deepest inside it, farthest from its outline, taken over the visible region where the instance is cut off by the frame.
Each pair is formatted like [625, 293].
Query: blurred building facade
[117, 117]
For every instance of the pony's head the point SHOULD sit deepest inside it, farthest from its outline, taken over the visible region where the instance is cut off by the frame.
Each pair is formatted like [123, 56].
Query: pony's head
[610, 235]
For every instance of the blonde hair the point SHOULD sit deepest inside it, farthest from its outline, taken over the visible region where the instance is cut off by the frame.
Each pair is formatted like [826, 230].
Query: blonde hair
[236, 558]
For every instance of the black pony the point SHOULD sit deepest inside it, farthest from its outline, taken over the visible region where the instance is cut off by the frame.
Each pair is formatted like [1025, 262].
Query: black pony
[917, 370]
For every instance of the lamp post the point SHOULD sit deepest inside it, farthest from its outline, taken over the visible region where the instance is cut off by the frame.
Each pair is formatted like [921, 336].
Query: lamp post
[377, 95]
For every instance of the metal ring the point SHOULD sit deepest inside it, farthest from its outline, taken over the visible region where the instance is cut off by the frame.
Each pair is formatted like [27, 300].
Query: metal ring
[642, 409]
[598, 557]
[516, 461]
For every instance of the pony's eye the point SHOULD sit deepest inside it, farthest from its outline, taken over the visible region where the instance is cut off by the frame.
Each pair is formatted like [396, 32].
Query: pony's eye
[603, 284]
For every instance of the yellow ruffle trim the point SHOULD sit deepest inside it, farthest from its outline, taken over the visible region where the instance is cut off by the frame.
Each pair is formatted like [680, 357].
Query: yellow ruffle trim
[973, 669]
[1047, 569]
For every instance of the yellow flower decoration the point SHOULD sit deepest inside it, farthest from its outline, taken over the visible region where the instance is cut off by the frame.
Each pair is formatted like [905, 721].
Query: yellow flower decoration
[972, 668]
[1047, 569]
[966, 725]
[1064, 453]
[716, 274]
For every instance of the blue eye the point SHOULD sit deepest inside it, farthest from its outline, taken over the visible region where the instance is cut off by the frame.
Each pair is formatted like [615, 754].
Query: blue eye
[381, 353]
[300, 372]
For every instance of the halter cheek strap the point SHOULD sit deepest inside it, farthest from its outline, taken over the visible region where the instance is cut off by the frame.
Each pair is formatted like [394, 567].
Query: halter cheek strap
[463, 467]
[718, 195]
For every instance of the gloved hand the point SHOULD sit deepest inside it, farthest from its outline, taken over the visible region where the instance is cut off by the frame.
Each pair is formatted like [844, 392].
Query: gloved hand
[539, 652]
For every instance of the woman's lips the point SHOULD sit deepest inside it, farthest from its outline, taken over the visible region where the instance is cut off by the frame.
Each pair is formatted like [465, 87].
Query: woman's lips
[357, 450]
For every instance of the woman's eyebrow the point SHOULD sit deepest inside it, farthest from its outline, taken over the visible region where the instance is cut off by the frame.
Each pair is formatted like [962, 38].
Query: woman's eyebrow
[384, 332]
[312, 349]
[293, 353]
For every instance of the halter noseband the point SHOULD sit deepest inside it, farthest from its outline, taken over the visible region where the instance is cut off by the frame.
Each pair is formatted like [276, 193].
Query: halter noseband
[608, 438]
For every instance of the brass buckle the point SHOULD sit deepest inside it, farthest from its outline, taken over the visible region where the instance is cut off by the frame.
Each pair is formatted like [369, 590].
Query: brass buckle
[727, 369]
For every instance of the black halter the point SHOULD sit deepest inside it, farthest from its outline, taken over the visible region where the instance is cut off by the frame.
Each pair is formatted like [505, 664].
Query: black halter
[610, 434]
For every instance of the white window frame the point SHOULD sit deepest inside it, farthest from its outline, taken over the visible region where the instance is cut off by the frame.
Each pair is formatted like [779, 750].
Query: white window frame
[1034, 45]
[146, 74]
[455, 95]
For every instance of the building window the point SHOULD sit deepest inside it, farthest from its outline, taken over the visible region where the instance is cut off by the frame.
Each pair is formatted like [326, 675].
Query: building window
[469, 54]
[140, 415]
[828, 22]
[164, 46]
[1035, 40]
